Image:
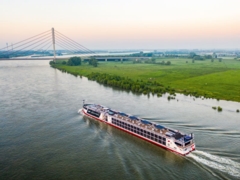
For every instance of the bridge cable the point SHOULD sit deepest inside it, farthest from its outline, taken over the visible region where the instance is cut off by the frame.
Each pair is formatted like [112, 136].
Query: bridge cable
[65, 48]
[26, 39]
[26, 43]
[77, 43]
[31, 45]
[71, 44]
[36, 47]
[60, 44]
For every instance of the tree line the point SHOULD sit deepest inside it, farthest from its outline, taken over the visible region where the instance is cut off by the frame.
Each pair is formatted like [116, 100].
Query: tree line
[77, 61]
[138, 86]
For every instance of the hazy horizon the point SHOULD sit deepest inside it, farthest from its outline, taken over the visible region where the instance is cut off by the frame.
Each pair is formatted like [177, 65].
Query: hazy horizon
[125, 24]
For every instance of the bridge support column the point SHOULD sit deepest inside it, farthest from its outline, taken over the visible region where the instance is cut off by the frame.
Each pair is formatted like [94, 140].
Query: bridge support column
[53, 42]
[106, 59]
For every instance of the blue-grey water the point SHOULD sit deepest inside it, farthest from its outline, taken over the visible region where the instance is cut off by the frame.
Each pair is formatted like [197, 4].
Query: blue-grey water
[43, 137]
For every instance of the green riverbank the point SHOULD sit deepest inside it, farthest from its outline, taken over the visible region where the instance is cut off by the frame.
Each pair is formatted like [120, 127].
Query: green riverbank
[219, 80]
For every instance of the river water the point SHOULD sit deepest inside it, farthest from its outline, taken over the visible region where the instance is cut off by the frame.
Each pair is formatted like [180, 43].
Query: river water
[43, 137]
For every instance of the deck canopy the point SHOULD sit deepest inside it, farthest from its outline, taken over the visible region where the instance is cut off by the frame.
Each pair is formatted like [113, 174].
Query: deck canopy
[146, 122]
[123, 114]
[111, 112]
[133, 118]
[159, 126]
[187, 138]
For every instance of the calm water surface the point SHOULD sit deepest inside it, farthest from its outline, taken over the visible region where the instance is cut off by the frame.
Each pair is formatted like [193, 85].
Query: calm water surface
[43, 137]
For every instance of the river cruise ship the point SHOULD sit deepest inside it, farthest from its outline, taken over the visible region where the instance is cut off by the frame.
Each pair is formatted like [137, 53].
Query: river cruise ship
[157, 134]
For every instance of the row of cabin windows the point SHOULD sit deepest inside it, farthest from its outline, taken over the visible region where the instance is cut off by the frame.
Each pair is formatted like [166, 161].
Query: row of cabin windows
[94, 113]
[181, 144]
[139, 131]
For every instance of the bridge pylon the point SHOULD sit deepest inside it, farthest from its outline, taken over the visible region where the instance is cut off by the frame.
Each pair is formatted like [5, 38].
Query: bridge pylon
[53, 42]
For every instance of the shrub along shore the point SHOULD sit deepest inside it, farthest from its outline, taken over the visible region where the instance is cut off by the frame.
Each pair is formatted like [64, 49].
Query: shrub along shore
[204, 79]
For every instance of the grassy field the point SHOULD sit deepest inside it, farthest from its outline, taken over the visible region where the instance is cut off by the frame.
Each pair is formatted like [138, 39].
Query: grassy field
[220, 80]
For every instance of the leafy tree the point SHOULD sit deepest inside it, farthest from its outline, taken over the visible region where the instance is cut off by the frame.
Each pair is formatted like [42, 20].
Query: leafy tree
[64, 62]
[52, 63]
[93, 62]
[208, 57]
[198, 58]
[168, 63]
[74, 61]
[192, 54]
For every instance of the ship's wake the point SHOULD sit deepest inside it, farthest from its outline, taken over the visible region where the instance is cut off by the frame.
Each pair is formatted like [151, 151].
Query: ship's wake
[222, 164]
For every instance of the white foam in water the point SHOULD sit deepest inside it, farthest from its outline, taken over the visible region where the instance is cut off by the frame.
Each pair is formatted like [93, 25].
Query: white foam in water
[223, 164]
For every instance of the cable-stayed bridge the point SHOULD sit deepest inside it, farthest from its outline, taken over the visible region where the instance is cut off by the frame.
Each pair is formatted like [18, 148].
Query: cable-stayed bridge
[50, 44]
[54, 45]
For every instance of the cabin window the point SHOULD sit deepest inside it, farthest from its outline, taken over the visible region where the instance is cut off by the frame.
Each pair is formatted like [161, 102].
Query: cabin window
[178, 144]
[187, 143]
[145, 131]
[148, 133]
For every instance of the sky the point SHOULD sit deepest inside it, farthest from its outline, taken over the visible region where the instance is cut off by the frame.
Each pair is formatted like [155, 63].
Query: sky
[126, 24]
